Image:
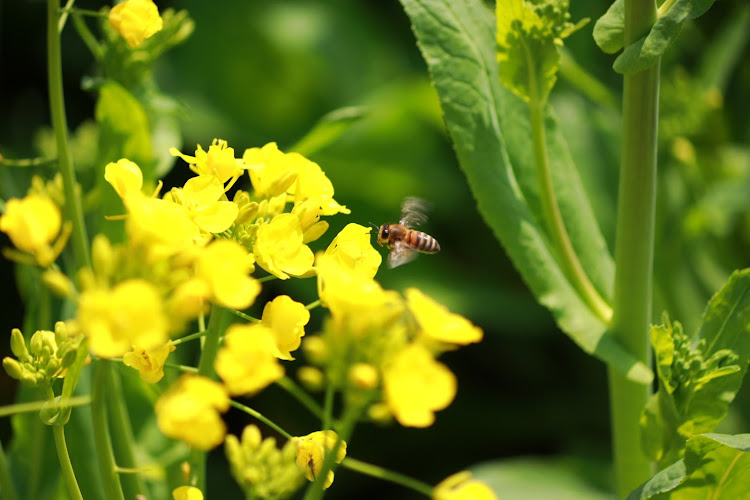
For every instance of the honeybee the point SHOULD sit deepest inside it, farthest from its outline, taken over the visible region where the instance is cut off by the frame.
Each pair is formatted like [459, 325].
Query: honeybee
[404, 242]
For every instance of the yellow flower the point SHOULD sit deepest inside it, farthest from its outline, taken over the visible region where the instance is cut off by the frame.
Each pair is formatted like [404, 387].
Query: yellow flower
[271, 172]
[125, 177]
[225, 266]
[438, 323]
[364, 376]
[32, 224]
[187, 493]
[460, 486]
[189, 299]
[416, 386]
[246, 363]
[189, 411]
[219, 161]
[279, 248]
[161, 226]
[149, 362]
[129, 314]
[286, 319]
[135, 20]
[201, 198]
[312, 183]
[353, 249]
[308, 213]
[311, 451]
[353, 297]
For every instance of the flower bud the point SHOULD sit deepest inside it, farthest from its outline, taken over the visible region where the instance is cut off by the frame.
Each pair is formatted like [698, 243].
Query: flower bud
[102, 256]
[58, 283]
[13, 368]
[363, 376]
[312, 378]
[18, 345]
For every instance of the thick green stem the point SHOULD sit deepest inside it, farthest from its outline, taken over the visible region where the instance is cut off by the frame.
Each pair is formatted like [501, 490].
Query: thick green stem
[206, 369]
[7, 488]
[634, 251]
[66, 467]
[566, 254]
[104, 455]
[73, 207]
[123, 438]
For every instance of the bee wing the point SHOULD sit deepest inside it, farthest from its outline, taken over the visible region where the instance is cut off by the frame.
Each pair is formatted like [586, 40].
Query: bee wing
[414, 211]
[400, 254]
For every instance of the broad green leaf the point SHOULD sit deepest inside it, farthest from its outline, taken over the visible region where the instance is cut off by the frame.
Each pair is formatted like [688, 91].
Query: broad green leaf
[644, 53]
[609, 30]
[715, 466]
[698, 379]
[491, 134]
[558, 478]
[329, 129]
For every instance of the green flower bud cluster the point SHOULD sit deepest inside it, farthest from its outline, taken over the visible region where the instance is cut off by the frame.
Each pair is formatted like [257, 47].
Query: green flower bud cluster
[260, 468]
[690, 368]
[48, 355]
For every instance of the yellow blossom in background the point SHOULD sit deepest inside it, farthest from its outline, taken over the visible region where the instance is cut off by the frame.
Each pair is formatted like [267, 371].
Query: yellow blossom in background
[271, 172]
[129, 314]
[160, 226]
[460, 486]
[416, 386]
[246, 362]
[279, 248]
[149, 362]
[135, 20]
[189, 299]
[190, 409]
[125, 177]
[32, 224]
[308, 213]
[201, 198]
[187, 493]
[219, 161]
[286, 319]
[312, 183]
[353, 249]
[364, 376]
[225, 266]
[311, 451]
[438, 323]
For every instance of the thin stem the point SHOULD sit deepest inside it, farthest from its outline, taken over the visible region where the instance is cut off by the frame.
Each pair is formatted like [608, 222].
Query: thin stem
[6, 480]
[34, 406]
[259, 416]
[88, 38]
[388, 475]
[328, 407]
[66, 467]
[300, 395]
[103, 445]
[313, 305]
[206, 369]
[64, 15]
[634, 251]
[266, 278]
[73, 207]
[27, 162]
[665, 7]
[244, 316]
[566, 254]
[122, 431]
[187, 338]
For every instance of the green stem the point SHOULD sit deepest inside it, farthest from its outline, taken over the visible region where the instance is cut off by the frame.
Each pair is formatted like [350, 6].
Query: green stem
[103, 445]
[122, 432]
[244, 316]
[73, 207]
[567, 256]
[328, 407]
[206, 369]
[7, 487]
[187, 338]
[634, 251]
[388, 475]
[66, 467]
[259, 416]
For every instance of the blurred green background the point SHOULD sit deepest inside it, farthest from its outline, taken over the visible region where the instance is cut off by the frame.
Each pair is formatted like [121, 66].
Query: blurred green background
[260, 71]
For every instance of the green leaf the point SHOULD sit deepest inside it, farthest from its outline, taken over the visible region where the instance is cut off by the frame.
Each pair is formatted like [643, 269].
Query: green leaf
[715, 466]
[644, 53]
[698, 381]
[609, 30]
[329, 129]
[491, 134]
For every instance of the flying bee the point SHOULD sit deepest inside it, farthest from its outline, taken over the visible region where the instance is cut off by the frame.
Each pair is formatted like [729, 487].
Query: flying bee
[404, 242]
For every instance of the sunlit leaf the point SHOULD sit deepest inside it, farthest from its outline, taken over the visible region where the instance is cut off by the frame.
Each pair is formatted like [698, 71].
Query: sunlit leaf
[609, 30]
[492, 138]
[644, 53]
[328, 130]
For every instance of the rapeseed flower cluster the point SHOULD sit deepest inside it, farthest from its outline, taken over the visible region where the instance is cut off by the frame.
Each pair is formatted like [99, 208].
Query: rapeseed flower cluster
[194, 250]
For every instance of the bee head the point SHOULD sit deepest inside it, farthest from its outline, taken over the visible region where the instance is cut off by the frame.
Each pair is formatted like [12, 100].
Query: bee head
[383, 234]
